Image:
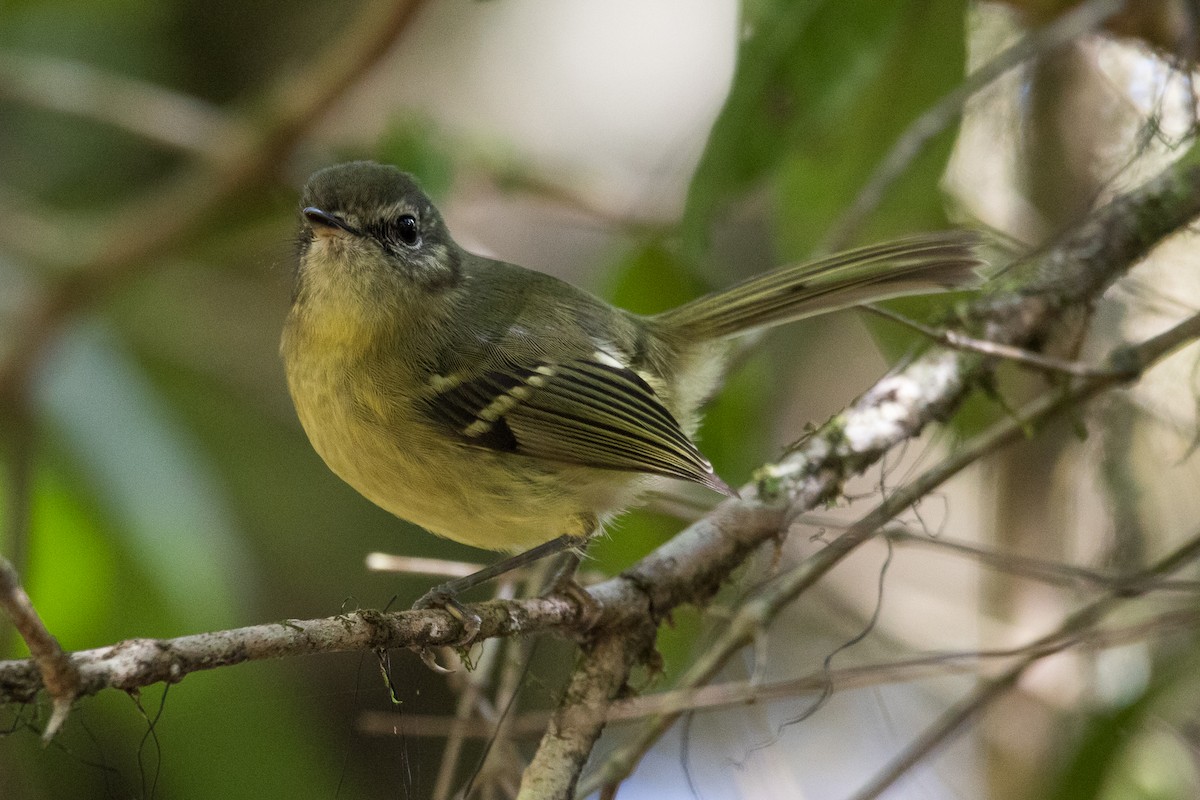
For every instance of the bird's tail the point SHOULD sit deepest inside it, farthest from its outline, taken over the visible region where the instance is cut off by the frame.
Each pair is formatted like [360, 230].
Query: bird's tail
[922, 264]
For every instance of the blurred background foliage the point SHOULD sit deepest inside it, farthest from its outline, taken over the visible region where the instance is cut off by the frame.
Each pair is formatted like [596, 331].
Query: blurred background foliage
[649, 151]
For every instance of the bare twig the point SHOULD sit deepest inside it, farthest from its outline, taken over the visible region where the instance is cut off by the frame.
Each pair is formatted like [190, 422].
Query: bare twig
[1019, 355]
[725, 695]
[952, 722]
[415, 565]
[1039, 569]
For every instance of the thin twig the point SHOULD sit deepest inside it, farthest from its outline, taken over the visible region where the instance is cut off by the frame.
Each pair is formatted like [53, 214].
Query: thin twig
[1038, 569]
[1065, 635]
[416, 565]
[960, 341]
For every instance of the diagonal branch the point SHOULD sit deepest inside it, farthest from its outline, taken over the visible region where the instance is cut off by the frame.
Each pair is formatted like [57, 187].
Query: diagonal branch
[57, 670]
[755, 615]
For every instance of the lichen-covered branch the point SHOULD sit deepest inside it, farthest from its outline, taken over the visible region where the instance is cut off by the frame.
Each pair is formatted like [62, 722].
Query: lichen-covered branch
[754, 615]
[135, 663]
[598, 680]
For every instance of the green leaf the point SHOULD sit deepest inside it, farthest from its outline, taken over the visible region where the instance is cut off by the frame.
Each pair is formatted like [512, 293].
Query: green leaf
[1138, 748]
[417, 145]
[910, 54]
[148, 475]
[820, 91]
[72, 570]
[771, 94]
[651, 278]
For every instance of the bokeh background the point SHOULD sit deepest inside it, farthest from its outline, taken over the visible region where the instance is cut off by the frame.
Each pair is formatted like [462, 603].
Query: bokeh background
[158, 483]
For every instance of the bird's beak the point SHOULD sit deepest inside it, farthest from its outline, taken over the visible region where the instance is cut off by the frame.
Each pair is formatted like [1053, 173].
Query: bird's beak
[325, 223]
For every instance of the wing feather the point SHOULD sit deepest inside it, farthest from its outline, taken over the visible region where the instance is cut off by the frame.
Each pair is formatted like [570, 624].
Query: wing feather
[580, 411]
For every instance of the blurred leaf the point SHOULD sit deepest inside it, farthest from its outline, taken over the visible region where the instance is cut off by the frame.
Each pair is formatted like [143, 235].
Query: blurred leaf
[630, 537]
[72, 571]
[918, 56]
[148, 474]
[249, 722]
[1131, 750]
[1107, 735]
[735, 447]
[909, 54]
[650, 279]
[770, 95]
[415, 144]
[820, 91]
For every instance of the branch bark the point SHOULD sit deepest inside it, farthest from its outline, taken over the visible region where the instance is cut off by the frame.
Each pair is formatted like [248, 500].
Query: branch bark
[598, 680]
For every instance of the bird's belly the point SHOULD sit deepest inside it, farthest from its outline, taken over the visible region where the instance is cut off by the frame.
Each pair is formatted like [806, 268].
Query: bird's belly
[469, 494]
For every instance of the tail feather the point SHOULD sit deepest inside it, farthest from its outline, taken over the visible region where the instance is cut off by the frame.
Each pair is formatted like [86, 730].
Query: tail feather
[923, 264]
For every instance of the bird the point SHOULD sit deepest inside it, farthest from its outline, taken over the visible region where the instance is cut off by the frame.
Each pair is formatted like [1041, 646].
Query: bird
[509, 410]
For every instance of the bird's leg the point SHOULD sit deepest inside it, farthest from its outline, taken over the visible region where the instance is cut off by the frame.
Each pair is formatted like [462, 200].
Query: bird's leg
[563, 576]
[563, 582]
[445, 595]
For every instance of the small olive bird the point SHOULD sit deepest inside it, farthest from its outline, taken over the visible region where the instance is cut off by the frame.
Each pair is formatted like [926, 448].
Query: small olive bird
[502, 407]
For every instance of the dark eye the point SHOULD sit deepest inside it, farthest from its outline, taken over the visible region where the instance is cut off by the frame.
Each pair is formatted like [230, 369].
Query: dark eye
[407, 230]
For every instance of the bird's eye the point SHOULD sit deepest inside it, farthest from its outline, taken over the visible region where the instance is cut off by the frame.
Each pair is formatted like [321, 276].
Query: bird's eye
[407, 230]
